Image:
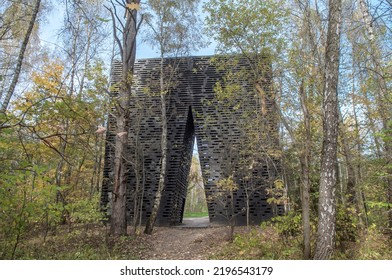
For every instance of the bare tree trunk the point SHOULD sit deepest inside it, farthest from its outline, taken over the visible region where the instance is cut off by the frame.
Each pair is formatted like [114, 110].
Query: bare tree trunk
[361, 196]
[95, 175]
[118, 225]
[138, 167]
[372, 123]
[98, 181]
[381, 98]
[352, 190]
[142, 191]
[86, 59]
[327, 212]
[6, 64]
[19, 62]
[137, 171]
[247, 207]
[162, 176]
[118, 222]
[306, 174]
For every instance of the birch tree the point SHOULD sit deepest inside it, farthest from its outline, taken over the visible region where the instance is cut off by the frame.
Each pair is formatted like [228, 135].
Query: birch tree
[304, 58]
[21, 55]
[328, 177]
[382, 97]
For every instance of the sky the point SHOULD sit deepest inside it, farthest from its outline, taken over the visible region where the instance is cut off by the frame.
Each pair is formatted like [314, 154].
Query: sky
[51, 26]
[49, 30]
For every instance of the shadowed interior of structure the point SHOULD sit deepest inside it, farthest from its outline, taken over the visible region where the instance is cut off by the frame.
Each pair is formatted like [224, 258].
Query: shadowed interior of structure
[186, 160]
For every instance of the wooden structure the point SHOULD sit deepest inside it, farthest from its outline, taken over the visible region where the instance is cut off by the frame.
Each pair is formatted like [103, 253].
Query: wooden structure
[222, 128]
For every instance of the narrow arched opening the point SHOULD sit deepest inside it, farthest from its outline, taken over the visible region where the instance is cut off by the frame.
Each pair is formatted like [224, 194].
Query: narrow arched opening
[196, 203]
[193, 201]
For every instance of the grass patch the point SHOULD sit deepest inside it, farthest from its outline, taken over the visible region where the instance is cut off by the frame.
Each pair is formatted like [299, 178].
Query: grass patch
[196, 215]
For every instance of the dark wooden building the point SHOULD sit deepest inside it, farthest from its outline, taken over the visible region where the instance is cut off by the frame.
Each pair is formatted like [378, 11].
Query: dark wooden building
[234, 138]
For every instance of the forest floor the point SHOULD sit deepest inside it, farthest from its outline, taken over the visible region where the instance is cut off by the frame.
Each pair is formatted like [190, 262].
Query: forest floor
[184, 243]
[196, 239]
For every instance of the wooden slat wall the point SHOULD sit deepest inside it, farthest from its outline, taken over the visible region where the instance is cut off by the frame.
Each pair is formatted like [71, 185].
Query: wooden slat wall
[219, 127]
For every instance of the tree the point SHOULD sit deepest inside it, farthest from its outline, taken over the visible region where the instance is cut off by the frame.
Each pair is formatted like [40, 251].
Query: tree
[32, 143]
[224, 195]
[21, 55]
[328, 177]
[82, 33]
[382, 99]
[127, 48]
[173, 26]
[305, 163]
[250, 33]
[302, 68]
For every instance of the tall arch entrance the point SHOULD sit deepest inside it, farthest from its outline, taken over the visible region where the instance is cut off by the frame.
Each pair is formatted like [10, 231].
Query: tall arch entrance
[196, 112]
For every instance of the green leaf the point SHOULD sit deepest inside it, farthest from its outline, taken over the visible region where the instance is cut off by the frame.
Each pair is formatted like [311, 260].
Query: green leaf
[103, 19]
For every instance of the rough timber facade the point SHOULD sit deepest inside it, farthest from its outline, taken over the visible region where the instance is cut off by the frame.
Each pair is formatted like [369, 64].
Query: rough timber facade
[221, 126]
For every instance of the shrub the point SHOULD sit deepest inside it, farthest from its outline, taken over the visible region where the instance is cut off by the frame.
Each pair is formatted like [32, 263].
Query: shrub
[287, 226]
[346, 225]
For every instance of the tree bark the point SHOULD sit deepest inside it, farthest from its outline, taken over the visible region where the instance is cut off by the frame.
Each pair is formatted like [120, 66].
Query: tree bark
[352, 190]
[118, 225]
[162, 176]
[351, 179]
[118, 222]
[359, 160]
[306, 174]
[354, 195]
[382, 104]
[19, 62]
[327, 212]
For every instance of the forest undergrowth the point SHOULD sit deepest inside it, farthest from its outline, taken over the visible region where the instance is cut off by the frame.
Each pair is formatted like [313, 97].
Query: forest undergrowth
[266, 243]
[85, 242]
[270, 241]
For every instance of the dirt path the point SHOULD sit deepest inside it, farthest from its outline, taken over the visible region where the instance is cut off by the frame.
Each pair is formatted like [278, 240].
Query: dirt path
[185, 243]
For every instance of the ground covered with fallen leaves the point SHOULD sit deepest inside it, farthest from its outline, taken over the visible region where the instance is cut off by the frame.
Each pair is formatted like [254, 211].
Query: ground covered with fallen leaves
[94, 242]
[185, 243]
